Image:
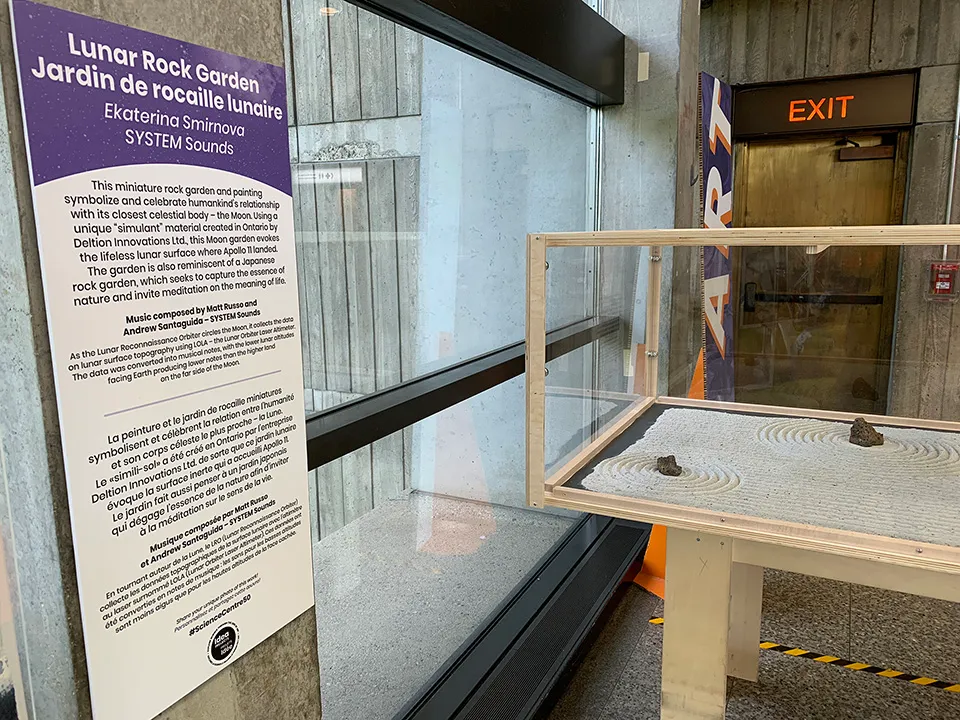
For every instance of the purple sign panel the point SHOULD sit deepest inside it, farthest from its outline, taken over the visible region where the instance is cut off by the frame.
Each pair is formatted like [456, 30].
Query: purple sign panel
[717, 175]
[97, 95]
[162, 195]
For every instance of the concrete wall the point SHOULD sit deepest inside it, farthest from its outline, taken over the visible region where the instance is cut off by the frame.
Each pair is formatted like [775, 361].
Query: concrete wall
[753, 41]
[279, 678]
[649, 175]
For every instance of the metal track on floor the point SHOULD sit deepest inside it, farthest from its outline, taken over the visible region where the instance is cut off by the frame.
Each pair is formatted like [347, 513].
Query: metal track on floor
[508, 669]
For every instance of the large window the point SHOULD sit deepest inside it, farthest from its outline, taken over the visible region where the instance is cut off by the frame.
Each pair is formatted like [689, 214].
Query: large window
[418, 171]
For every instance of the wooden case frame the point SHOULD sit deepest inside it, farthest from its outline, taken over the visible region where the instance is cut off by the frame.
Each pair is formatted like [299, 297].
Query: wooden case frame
[552, 492]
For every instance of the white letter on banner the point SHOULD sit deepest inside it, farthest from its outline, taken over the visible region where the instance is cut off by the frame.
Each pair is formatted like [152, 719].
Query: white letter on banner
[717, 206]
[716, 294]
[719, 123]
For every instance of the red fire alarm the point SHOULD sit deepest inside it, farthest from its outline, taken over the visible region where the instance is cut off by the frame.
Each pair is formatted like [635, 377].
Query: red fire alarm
[943, 280]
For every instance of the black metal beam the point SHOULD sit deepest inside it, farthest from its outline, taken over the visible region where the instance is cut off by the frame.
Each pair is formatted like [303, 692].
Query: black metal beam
[561, 44]
[335, 432]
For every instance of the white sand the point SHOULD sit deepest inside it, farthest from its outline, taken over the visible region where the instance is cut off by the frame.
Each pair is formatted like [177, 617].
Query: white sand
[798, 470]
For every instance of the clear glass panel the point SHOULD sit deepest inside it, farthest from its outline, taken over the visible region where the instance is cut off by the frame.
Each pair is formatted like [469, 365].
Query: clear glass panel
[862, 329]
[588, 388]
[576, 408]
[815, 329]
[571, 290]
[414, 188]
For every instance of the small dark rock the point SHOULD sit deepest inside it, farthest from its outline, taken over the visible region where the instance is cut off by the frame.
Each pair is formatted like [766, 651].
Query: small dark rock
[668, 466]
[863, 434]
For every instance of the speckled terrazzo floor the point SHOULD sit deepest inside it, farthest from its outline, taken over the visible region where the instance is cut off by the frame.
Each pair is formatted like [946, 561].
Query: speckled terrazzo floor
[798, 470]
[619, 678]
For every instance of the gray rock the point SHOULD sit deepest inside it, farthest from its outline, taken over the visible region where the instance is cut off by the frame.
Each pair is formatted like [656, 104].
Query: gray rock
[668, 466]
[863, 434]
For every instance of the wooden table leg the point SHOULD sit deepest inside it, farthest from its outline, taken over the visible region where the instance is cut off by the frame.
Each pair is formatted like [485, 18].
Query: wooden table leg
[696, 625]
[746, 601]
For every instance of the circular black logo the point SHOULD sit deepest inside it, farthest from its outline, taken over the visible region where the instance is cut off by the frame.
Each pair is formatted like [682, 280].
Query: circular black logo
[223, 643]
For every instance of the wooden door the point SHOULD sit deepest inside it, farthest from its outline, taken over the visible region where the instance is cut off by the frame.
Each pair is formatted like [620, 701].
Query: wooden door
[814, 326]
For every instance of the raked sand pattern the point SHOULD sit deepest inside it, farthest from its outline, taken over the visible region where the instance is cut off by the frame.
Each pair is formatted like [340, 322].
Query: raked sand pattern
[798, 470]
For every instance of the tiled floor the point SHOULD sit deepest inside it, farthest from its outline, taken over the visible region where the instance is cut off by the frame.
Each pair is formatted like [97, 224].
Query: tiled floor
[619, 678]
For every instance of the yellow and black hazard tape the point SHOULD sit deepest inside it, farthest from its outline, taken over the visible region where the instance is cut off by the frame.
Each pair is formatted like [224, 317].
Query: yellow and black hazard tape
[851, 665]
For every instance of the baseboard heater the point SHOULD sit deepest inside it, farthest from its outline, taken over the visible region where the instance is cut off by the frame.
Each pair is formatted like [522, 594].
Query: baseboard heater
[510, 667]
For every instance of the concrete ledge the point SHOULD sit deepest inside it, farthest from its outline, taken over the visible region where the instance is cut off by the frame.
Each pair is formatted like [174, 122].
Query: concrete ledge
[360, 140]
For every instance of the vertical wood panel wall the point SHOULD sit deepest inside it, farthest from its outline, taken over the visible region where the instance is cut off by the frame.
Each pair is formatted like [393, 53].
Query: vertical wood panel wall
[355, 240]
[353, 65]
[753, 41]
[357, 225]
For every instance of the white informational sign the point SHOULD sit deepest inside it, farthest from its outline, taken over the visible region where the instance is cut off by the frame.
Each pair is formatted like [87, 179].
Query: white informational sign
[161, 185]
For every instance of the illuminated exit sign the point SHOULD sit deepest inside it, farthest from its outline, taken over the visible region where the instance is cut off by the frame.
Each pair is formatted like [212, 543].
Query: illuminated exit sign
[864, 103]
[799, 108]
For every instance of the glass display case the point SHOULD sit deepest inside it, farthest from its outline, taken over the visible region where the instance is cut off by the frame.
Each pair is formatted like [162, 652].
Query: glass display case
[725, 399]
